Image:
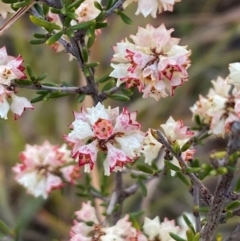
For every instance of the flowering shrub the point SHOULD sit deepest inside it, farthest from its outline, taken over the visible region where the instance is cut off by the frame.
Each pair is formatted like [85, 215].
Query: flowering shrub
[118, 153]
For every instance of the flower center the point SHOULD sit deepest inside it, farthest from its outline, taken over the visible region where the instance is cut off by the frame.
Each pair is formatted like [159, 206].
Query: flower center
[103, 129]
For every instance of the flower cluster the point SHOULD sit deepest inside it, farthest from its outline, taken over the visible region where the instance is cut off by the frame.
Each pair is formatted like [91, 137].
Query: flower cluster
[11, 68]
[152, 6]
[44, 168]
[86, 227]
[220, 108]
[176, 134]
[99, 129]
[153, 62]
[5, 9]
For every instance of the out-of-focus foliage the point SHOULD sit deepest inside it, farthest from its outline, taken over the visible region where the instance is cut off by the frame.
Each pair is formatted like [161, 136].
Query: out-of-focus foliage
[211, 29]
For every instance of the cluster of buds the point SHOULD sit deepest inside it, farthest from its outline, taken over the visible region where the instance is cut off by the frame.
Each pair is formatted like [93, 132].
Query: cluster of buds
[222, 105]
[177, 135]
[87, 227]
[11, 68]
[153, 62]
[44, 168]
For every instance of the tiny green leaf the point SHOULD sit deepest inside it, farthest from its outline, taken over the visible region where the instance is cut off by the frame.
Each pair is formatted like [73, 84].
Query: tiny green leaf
[84, 25]
[43, 23]
[39, 35]
[188, 222]
[176, 237]
[145, 169]
[237, 187]
[119, 97]
[98, 5]
[37, 99]
[101, 25]
[81, 97]
[75, 4]
[85, 54]
[54, 38]
[125, 18]
[183, 178]
[172, 166]
[104, 79]
[37, 41]
[233, 205]
[142, 187]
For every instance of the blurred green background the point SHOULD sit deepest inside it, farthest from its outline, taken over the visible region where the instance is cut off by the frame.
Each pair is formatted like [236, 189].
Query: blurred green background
[211, 29]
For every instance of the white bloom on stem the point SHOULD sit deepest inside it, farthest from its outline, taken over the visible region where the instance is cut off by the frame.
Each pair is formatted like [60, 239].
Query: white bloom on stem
[147, 7]
[159, 231]
[87, 11]
[18, 105]
[219, 109]
[234, 76]
[10, 67]
[42, 168]
[99, 129]
[153, 62]
[151, 147]
[175, 131]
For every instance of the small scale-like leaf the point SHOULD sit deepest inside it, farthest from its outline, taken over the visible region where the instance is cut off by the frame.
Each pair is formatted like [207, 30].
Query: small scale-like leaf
[37, 99]
[43, 23]
[125, 18]
[54, 38]
[98, 5]
[176, 237]
[39, 35]
[197, 119]
[100, 16]
[84, 25]
[193, 169]
[101, 25]
[133, 218]
[196, 237]
[75, 4]
[71, 15]
[188, 222]
[233, 205]
[37, 41]
[109, 4]
[85, 54]
[171, 166]
[119, 97]
[127, 92]
[186, 146]
[104, 79]
[41, 77]
[23, 82]
[20, 4]
[91, 40]
[237, 186]
[47, 96]
[109, 85]
[145, 169]
[142, 187]
[81, 97]
[93, 64]
[190, 235]
[183, 178]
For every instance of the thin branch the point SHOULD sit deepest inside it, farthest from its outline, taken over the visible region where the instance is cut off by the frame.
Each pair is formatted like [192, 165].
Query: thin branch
[196, 204]
[117, 5]
[62, 89]
[215, 213]
[207, 196]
